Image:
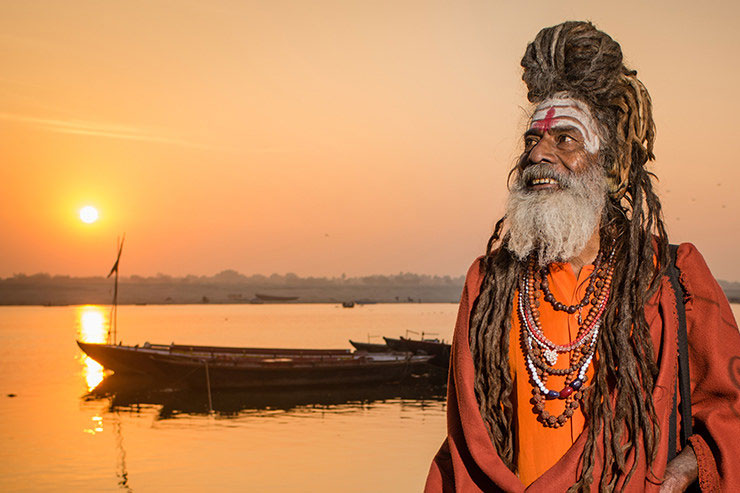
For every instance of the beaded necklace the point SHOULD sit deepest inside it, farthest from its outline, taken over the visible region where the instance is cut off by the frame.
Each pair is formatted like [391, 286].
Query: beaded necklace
[541, 354]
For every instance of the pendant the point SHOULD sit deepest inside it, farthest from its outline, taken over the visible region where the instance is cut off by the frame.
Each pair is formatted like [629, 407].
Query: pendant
[551, 356]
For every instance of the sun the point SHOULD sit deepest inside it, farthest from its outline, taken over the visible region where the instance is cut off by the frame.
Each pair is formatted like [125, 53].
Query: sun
[88, 214]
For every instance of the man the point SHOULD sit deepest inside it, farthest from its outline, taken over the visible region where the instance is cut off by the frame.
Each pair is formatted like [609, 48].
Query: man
[564, 360]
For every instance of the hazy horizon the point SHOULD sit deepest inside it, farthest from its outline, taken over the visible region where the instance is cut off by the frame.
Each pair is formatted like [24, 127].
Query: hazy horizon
[229, 273]
[322, 138]
[256, 275]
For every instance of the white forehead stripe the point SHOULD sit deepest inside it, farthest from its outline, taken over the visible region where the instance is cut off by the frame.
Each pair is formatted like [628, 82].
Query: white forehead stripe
[560, 112]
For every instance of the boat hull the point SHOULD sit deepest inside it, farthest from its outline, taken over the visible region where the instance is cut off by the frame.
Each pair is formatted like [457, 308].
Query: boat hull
[439, 350]
[258, 369]
[287, 374]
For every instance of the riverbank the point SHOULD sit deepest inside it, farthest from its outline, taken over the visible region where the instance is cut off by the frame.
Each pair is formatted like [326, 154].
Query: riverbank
[234, 288]
[97, 291]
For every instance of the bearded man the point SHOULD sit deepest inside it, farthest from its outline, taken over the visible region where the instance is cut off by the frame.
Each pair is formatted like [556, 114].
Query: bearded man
[564, 365]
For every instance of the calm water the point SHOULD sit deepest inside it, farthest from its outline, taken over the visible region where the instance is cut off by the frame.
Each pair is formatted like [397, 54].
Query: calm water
[56, 437]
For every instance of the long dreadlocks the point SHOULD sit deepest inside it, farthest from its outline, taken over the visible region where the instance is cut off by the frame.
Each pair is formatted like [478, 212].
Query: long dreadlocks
[576, 58]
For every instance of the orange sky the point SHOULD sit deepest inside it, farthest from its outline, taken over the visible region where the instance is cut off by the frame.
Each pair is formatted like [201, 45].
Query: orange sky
[322, 137]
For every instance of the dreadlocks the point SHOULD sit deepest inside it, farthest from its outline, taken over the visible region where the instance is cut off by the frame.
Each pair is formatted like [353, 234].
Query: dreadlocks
[577, 59]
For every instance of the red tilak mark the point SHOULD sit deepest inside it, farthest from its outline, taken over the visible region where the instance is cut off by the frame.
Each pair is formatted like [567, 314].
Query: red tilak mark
[544, 125]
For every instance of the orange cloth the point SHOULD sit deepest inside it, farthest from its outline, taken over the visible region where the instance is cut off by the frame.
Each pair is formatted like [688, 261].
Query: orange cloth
[539, 447]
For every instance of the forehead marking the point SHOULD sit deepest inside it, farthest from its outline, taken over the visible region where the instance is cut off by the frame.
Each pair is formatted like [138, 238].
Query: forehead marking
[549, 114]
[545, 124]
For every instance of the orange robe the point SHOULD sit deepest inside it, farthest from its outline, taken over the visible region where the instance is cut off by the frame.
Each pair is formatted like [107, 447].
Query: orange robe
[468, 462]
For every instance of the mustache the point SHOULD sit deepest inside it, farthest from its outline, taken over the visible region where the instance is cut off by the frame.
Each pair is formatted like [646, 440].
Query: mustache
[541, 171]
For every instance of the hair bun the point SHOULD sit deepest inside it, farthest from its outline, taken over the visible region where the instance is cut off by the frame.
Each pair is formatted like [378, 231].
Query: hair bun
[575, 57]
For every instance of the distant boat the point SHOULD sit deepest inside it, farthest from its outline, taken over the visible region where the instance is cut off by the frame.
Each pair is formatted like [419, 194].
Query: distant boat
[272, 297]
[439, 349]
[233, 367]
[348, 304]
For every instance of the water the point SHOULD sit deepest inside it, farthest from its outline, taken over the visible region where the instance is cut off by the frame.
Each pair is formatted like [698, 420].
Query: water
[55, 437]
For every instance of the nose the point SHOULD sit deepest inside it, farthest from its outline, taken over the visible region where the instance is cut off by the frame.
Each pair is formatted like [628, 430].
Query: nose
[543, 151]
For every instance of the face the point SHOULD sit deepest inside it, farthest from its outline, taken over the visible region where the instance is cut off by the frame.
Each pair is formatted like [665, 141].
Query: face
[562, 140]
[559, 194]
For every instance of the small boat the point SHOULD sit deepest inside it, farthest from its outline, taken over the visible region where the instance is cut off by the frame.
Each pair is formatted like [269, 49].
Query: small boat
[370, 347]
[272, 297]
[348, 304]
[231, 367]
[439, 349]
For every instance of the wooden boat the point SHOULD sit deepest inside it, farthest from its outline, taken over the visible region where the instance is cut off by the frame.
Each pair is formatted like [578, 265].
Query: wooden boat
[140, 359]
[370, 347]
[439, 349]
[272, 297]
[229, 367]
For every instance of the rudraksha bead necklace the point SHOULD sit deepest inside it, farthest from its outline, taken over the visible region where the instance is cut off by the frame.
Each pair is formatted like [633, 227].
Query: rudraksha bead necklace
[541, 354]
[556, 305]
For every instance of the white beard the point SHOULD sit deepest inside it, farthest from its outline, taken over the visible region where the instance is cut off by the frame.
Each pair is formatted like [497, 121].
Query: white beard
[554, 224]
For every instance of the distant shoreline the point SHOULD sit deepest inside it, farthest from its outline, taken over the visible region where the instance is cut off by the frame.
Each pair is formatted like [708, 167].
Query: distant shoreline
[231, 303]
[733, 301]
[99, 291]
[232, 288]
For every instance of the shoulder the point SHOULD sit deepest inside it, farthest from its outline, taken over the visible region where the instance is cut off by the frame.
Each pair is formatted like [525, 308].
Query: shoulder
[475, 269]
[473, 280]
[474, 276]
[695, 275]
[688, 256]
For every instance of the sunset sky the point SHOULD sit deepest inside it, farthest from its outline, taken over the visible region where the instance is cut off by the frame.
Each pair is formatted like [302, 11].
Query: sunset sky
[322, 138]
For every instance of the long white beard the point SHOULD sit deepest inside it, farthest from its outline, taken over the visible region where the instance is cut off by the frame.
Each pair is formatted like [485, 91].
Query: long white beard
[554, 224]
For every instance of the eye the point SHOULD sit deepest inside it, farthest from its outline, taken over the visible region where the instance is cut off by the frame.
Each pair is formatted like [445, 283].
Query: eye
[530, 141]
[565, 139]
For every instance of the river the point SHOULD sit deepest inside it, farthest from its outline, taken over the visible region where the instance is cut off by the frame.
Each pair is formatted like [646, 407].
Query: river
[56, 436]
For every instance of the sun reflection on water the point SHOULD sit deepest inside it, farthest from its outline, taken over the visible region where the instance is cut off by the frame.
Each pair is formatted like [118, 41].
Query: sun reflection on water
[97, 426]
[92, 326]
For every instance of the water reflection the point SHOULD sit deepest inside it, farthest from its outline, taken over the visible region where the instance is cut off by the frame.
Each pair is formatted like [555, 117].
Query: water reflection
[97, 426]
[92, 326]
[121, 469]
[131, 394]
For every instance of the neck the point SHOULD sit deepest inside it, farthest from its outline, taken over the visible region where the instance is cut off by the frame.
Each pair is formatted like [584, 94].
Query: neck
[588, 254]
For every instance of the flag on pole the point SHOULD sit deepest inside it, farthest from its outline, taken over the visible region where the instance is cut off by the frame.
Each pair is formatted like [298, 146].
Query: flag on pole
[118, 258]
[112, 334]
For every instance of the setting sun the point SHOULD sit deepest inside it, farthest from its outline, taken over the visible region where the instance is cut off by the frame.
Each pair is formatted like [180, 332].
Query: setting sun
[88, 214]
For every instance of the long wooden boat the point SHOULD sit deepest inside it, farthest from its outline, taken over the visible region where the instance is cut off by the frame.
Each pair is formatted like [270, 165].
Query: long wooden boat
[227, 367]
[439, 349]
